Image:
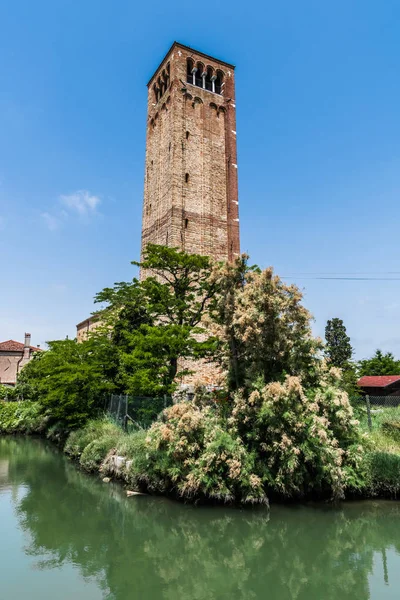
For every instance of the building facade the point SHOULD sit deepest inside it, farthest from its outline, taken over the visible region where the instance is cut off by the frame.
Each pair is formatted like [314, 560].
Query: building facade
[85, 327]
[191, 186]
[13, 357]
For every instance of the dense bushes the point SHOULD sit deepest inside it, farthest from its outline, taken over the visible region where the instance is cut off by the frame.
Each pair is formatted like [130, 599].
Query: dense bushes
[275, 444]
[279, 441]
[22, 417]
[383, 475]
[92, 443]
[283, 427]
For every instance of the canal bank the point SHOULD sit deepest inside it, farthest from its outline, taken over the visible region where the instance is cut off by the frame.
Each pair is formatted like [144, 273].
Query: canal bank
[220, 471]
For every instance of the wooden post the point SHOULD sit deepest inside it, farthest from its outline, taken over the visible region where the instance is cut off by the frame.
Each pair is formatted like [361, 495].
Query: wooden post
[369, 412]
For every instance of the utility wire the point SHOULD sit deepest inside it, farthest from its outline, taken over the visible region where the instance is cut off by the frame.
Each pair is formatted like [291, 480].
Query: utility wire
[342, 278]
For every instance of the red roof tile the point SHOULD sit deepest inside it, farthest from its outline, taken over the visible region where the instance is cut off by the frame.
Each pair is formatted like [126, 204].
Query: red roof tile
[13, 346]
[377, 380]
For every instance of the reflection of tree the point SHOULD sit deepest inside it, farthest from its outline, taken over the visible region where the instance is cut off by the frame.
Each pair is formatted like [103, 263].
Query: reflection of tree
[152, 548]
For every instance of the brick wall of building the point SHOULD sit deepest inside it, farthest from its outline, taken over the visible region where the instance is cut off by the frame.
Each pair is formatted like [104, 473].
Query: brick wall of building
[191, 193]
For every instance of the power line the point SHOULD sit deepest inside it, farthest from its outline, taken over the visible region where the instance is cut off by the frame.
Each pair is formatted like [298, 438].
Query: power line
[323, 278]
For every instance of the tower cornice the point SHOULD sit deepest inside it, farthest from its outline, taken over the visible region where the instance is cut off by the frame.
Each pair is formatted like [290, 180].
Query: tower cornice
[192, 50]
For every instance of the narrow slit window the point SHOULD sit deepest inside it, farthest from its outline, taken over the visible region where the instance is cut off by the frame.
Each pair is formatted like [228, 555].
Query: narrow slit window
[187, 135]
[186, 223]
[187, 178]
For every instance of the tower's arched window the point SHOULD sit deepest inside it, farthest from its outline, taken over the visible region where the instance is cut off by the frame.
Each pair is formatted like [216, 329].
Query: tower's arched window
[190, 67]
[163, 82]
[209, 74]
[199, 72]
[219, 82]
[155, 90]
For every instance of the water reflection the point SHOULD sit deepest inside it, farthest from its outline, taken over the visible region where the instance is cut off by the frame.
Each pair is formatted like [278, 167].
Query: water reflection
[152, 548]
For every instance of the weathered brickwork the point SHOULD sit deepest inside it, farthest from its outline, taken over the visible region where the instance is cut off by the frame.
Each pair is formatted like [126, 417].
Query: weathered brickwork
[191, 188]
[191, 192]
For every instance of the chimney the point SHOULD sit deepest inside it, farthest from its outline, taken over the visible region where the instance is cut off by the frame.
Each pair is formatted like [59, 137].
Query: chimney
[27, 340]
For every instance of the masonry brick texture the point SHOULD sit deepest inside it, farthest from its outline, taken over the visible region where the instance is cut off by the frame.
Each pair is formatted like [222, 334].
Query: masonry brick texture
[191, 189]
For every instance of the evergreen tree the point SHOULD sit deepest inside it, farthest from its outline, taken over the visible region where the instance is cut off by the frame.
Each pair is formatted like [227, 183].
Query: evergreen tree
[338, 349]
[379, 364]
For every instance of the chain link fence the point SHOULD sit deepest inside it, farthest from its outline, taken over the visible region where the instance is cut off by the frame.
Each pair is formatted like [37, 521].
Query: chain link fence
[133, 412]
[379, 412]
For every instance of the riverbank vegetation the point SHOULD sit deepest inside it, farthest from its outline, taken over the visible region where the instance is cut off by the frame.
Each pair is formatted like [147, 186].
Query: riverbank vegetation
[281, 425]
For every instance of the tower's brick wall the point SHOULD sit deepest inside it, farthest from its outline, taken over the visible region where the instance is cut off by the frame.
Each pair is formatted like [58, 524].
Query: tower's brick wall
[191, 193]
[191, 188]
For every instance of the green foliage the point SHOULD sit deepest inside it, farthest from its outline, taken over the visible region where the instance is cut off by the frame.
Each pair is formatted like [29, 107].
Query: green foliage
[338, 349]
[22, 417]
[154, 322]
[191, 454]
[264, 331]
[392, 429]
[383, 474]
[71, 379]
[281, 440]
[379, 364]
[306, 440]
[96, 451]
[93, 430]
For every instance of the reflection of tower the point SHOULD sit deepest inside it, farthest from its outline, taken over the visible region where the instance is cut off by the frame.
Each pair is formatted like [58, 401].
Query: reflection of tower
[191, 191]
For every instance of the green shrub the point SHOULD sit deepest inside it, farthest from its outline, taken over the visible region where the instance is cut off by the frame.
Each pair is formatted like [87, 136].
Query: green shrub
[306, 441]
[281, 440]
[93, 430]
[96, 451]
[392, 429]
[22, 417]
[383, 474]
[57, 433]
[191, 454]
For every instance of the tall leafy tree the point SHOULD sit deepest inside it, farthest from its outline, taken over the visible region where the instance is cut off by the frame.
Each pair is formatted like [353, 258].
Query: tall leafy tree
[338, 348]
[71, 379]
[157, 321]
[264, 329]
[379, 364]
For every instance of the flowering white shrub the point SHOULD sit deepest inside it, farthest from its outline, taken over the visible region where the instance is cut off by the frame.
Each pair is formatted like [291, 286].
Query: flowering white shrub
[305, 441]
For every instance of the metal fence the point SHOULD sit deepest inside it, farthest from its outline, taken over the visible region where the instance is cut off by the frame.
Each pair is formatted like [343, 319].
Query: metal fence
[133, 412]
[377, 412]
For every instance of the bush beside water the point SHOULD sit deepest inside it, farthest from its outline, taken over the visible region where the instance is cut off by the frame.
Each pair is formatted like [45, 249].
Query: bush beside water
[281, 442]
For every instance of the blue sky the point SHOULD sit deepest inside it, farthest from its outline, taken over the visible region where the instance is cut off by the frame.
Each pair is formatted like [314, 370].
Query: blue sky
[318, 128]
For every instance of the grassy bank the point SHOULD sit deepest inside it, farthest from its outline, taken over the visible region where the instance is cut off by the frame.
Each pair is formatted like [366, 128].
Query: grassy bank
[219, 471]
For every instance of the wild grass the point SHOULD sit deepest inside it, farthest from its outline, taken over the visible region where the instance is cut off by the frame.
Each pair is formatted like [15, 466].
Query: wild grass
[95, 430]
[383, 475]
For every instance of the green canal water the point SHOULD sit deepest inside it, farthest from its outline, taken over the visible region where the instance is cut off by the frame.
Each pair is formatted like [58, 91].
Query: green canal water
[65, 535]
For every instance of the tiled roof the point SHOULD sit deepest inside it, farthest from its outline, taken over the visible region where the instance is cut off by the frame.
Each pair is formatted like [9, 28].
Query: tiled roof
[377, 380]
[13, 346]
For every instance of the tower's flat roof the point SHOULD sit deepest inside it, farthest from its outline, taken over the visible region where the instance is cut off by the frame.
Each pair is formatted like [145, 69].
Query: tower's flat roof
[178, 45]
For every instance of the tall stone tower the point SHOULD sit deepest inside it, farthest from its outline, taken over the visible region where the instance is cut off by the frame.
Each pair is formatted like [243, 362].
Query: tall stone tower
[191, 190]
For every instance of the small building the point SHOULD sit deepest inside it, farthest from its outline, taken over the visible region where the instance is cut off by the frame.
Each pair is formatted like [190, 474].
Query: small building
[380, 385]
[13, 357]
[85, 327]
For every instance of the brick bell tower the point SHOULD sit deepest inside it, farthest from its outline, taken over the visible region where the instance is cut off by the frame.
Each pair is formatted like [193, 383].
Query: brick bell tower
[191, 189]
